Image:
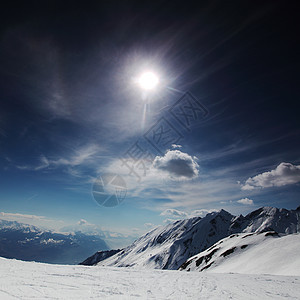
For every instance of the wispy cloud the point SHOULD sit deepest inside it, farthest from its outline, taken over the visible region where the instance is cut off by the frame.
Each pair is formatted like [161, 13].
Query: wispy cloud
[85, 155]
[174, 213]
[241, 146]
[283, 174]
[24, 216]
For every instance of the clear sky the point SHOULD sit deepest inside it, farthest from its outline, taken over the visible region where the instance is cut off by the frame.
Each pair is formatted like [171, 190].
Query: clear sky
[220, 129]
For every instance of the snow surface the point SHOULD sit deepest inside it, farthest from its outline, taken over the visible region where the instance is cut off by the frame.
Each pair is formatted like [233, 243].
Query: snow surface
[30, 280]
[255, 253]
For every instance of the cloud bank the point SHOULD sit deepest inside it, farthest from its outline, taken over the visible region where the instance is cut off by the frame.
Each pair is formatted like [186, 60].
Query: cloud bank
[284, 174]
[177, 164]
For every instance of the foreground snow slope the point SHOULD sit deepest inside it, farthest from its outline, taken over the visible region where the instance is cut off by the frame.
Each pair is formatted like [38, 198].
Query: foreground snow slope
[29, 280]
[254, 253]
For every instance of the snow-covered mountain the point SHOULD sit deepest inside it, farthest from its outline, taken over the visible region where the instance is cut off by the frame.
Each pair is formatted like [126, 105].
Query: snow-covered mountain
[250, 253]
[269, 218]
[99, 256]
[27, 242]
[168, 247]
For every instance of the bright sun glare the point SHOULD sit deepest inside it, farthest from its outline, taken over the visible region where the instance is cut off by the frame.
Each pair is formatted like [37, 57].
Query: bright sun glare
[148, 81]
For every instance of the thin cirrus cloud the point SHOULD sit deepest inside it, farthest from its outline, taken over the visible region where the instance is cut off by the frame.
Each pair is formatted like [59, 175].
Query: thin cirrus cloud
[177, 164]
[79, 157]
[283, 174]
[13, 216]
[245, 201]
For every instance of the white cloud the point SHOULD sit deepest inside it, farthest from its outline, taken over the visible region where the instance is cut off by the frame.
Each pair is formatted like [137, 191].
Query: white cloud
[174, 146]
[246, 201]
[216, 185]
[202, 212]
[284, 174]
[82, 222]
[177, 164]
[174, 213]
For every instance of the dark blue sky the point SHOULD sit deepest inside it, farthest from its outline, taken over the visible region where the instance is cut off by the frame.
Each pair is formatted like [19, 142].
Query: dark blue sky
[70, 110]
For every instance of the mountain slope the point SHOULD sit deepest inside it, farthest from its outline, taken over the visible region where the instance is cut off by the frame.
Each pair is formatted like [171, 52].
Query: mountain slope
[99, 256]
[168, 247]
[28, 242]
[254, 253]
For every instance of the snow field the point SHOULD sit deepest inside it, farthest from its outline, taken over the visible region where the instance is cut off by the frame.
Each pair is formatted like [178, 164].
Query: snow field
[30, 280]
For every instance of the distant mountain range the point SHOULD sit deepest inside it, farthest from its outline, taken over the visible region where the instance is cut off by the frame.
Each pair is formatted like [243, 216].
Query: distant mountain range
[170, 246]
[30, 243]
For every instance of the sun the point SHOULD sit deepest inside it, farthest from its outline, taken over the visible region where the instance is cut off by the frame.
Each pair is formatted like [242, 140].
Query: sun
[148, 81]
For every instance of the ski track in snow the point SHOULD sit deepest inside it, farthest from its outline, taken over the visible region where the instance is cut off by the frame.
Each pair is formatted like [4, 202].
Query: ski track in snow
[29, 280]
